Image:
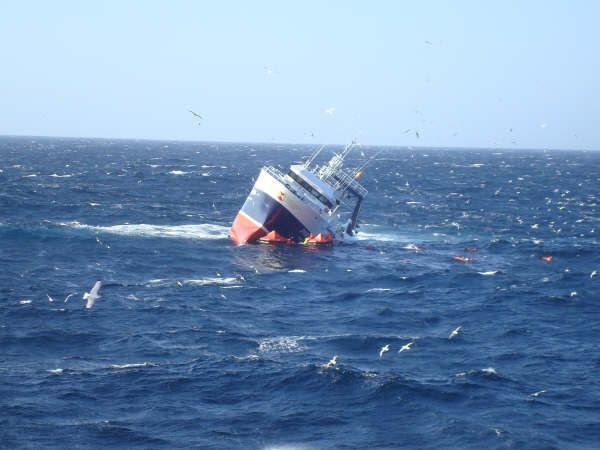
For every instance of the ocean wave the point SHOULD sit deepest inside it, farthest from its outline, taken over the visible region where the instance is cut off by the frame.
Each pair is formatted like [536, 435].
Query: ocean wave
[202, 231]
[132, 366]
[214, 281]
[488, 273]
[486, 372]
[206, 281]
[371, 290]
[376, 236]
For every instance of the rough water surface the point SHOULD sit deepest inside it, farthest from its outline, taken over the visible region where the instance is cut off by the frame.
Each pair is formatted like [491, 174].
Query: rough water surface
[195, 342]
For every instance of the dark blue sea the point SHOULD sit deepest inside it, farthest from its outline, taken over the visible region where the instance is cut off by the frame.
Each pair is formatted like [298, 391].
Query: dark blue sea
[197, 343]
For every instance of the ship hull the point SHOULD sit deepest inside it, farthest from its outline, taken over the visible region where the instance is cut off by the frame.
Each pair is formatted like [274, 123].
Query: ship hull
[274, 206]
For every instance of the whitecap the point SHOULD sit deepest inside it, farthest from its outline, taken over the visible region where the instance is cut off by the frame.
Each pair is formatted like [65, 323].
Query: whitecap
[412, 247]
[55, 371]
[215, 281]
[297, 271]
[379, 290]
[132, 365]
[24, 302]
[250, 357]
[55, 175]
[281, 344]
[178, 172]
[368, 236]
[489, 371]
[158, 281]
[202, 231]
[489, 273]
[33, 175]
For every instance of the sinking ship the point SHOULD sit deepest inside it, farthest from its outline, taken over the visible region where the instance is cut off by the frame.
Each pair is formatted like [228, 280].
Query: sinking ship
[310, 204]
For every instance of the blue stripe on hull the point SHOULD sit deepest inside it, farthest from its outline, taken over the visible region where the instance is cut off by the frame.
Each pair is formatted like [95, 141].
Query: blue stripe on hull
[273, 216]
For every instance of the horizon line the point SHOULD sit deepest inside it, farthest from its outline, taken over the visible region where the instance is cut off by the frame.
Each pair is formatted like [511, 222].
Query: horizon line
[386, 146]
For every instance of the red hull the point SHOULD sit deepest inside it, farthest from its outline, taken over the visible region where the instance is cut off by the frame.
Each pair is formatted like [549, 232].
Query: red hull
[245, 230]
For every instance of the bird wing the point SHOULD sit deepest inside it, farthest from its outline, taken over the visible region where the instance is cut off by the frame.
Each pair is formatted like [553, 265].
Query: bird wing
[96, 288]
[196, 114]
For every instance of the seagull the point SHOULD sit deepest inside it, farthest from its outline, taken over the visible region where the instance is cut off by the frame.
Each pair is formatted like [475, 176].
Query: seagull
[269, 71]
[406, 347]
[407, 130]
[68, 297]
[385, 348]
[428, 42]
[329, 110]
[331, 363]
[92, 295]
[417, 134]
[455, 332]
[50, 299]
[537, 394]
[593, 274]
[198, 116]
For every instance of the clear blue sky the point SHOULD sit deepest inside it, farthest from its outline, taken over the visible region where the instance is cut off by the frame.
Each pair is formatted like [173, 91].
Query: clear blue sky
[462, 73]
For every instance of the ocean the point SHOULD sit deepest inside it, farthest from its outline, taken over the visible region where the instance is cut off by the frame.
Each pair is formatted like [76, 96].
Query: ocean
[197, 343]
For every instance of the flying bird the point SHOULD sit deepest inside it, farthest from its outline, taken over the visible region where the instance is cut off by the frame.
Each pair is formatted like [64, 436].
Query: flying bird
[269, 71]
[455, 332]
[405, 347]
[68, 297]
[537, 394]
[417, 134]
[50, 299]
[92, 295]
[385, 348]
[329, 110]
[198, 116]
[428, 42]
